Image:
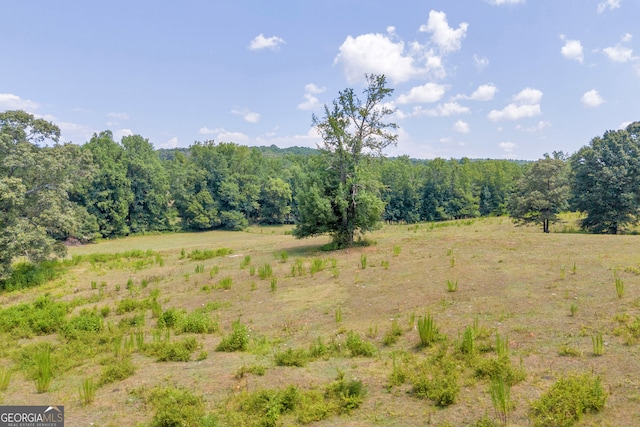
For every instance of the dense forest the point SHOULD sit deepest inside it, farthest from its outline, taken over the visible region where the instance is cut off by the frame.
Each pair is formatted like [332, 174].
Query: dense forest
[52, 192]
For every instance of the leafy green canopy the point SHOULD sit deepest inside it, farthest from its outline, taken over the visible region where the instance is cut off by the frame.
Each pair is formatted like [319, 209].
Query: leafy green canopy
[340, 195]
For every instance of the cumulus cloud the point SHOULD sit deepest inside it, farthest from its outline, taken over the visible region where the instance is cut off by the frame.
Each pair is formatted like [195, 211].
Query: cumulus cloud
[480, 62]
[446, 38]
[525, 104]
[620, 53]
[429, 92]
[608, 4]
[592, 99]
[483, 93]
[442, 110]
[537, 128]
[119, 116]
[261, 42]
[311, 102]
[222, 135]
[247, 115]
[389, 55]
[461, 126]
[501, 2]
[9, 101]
[572, 49]
[508, 147]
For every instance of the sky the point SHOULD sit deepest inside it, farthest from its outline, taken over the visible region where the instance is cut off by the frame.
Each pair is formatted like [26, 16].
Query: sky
[472, 78]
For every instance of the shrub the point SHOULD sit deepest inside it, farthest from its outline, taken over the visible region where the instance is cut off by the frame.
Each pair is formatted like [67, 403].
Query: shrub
[169, 318]
[196, 322]
[27, 275]
[291, 357]
[86, 321]
[350, 393]
[567, 400]
[174, 406]
[117, 369]
[265, 271]
[179, 351]
[45, 316]
[237, 341]
[437, 382]
[358, 347]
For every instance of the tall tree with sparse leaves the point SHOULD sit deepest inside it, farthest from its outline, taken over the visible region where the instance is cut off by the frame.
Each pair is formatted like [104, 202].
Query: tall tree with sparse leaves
[341, 196]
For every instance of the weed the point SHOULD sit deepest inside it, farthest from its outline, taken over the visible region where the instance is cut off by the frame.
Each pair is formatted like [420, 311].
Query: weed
[363, 261]
[274, 284]
[317, 265]
[338, 314]
[502, 346]
[349, 393]
[129, 284]
[291, 357]
[117, 369]
[452, 285]
[258, 370]
[237, 341]
[619, 287]
[179, 351]
[574, 269]
[254, 286]
[468, 344]
[449, 251]
[385, 264]
[94, 284]
[452, 262]
[225, 283]
[44, 373]
[567, 400]
[174, 407]
[87, 391]
[246, 261]
[569, 351]
[438, 382]
[358, 347]
[214, 270]
[284, 256]
[500, 392]
[397, 250]
[427, 330]
[573, 309]
[265, 271]
[391, 337]
[5, 378]
[196, 322]
[562, 273]
[252, 271]
[183, 253]
[598, 344]
[298, 269]
[199, 268]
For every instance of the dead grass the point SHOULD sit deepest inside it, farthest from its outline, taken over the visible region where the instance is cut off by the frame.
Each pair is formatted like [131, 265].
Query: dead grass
[510, 279]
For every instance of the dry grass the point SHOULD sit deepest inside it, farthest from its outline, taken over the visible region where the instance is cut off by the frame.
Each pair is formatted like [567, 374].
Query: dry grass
[510, 280]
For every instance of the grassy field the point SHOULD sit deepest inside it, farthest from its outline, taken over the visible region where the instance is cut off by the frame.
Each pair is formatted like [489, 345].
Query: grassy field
[255, 327]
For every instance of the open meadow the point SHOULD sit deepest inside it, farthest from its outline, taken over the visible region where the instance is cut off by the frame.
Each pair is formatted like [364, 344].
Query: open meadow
[469, 322]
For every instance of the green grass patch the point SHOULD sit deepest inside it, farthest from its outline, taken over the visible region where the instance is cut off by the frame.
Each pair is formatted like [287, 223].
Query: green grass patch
[204, 254]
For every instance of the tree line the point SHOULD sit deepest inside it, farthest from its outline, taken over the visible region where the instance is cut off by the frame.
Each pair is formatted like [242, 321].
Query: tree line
[51, 192]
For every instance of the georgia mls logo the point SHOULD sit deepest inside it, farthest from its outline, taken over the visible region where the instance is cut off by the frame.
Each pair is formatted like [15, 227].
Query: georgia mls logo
[31, 416]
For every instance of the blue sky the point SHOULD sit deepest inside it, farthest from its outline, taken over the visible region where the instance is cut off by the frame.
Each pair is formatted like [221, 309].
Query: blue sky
[474, 78]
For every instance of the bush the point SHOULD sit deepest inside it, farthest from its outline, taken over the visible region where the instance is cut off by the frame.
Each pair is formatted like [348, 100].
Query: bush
[358, 347]
[86, 321]
[292, 357]
[117, 369]
[45, 316]
[567, 400]
[179, 351]
[174, 406]
[349, 393]
[28, 275]
[201, 255]
[237, 341]
[196, 322]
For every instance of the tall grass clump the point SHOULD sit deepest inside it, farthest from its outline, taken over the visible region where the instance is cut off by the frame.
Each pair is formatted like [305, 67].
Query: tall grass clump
[225, 283]
[87, 391]
[265, 271]
[396, 250]
[452, 285]
[502, 346]
[427, 330]
[500, 391]
[44, 373]
[598, 344]
[619, 287]
[246, 261]
[5, 378]
[298, 269]
[317, 265]
[363, 261]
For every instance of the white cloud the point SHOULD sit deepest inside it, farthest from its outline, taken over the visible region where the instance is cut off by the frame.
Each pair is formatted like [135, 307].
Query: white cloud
[483, 93]
[262, 42]
[480, 62]
[121, 133]
[311, 102]
[508, 147]
[537, 128]
[572, 49]
[247, 115]
[429, 92]
[378, 54]
[592, 99]
[442, 110]
[461, 126]
[608, 4]
[501, 2]
[9, 101]
[399, 61]
[620, 53]
[525, 104]
[222, 135]
[445, 37]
